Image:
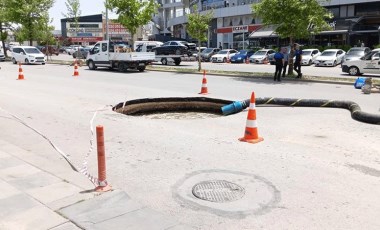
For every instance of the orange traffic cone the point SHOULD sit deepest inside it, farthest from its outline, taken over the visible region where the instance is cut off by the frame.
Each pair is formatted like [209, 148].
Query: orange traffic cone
[76, 72]
[204, 89]
[251, 134]
[20, 72]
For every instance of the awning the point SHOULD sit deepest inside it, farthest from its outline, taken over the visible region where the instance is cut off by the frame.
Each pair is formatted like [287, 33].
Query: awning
[264, 32]
[329, 32]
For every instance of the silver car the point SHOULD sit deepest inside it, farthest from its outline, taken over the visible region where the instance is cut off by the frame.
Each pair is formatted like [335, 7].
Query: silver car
[261, 56]
[356, 53]
[2, 56]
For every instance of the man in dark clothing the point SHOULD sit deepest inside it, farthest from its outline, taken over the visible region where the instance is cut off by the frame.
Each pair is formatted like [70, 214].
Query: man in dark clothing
[286, 60]
[297, 62]
[279, 58]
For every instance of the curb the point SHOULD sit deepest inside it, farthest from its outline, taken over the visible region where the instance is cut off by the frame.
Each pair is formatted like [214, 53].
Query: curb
[253, 75]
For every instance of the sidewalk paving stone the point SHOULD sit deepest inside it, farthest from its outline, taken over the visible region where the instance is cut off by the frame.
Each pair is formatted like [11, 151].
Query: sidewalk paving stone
[66, 226]
[53, 192]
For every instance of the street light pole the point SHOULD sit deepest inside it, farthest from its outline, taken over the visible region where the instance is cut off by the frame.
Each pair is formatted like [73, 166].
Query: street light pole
[107, 34]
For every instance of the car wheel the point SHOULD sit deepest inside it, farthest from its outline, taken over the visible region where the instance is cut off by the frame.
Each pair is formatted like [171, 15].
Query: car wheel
[310, 62]
[91, 65]
[14, 61]
[26, 61]
[353, 71]
[141, 69]
[164, 61]
[224, 59]
[334, 63]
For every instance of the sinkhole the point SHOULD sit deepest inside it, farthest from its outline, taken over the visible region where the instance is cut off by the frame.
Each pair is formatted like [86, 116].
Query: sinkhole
[173, 107]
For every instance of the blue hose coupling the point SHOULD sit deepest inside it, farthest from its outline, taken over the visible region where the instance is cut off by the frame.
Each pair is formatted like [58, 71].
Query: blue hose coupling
[235, 107]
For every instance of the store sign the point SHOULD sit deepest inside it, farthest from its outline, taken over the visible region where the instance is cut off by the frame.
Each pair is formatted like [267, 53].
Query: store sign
[86, 39]
[239, 29]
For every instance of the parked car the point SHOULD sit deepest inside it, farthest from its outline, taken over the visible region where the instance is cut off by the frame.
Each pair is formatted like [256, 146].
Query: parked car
[27, 54]
[2, 56]
[195, 52]
[356, 53]
[172, 48]
[241, 56]
[62, 49]
[207, 53]
[370, 63]
[51, 50]
[271, 56]
[309, 56]
[223, 55]
[330, 57]
[261, 55]
[81, 52]
[71, 49]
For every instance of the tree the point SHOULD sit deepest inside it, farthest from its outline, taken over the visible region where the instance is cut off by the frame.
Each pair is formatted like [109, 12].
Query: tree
[4, 26]
[45, 35]
[197, 27]
[28, 13]
[73, 12]
[293, 19]
[133, 13]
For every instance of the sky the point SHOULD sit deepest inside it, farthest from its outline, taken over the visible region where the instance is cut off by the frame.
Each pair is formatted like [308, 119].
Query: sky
[88, 7]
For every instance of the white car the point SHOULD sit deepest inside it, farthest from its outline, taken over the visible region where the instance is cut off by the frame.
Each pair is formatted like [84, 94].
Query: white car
[261, 55]
[72, 49]
[27, 54]
[330, 57]
[309, 56]
[223, 55]
[370, 63]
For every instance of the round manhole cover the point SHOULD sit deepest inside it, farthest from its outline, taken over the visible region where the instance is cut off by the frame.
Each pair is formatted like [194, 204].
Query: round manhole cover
[218, 191]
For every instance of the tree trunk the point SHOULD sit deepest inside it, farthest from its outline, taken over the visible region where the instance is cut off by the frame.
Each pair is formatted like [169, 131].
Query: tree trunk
[199, 56]
[291, 55]
[2, 41]
[132, 41]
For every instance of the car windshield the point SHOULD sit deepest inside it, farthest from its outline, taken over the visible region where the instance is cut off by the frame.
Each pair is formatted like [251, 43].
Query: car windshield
[32, 51]
[328, 53]
[260, 52]
[306, 53]
[242, 52]
[356, 52]
[223, 52]
[207, 51]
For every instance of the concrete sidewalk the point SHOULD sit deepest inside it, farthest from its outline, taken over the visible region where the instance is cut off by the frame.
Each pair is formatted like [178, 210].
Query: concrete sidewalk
[37, 194]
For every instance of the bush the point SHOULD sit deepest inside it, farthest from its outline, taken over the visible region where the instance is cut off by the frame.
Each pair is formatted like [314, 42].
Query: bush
[377, 46]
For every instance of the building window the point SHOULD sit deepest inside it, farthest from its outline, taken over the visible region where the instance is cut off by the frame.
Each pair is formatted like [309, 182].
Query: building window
[343, 11]
[334, 11]
[351, 11]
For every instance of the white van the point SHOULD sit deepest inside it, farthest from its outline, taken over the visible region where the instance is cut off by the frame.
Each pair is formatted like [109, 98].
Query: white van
[27, 54]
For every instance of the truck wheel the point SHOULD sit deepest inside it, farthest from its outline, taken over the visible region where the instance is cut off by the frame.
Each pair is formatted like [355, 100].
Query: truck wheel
[122, 67]
[141, 69]
[353, 71]
[164, 61]
[91, 65]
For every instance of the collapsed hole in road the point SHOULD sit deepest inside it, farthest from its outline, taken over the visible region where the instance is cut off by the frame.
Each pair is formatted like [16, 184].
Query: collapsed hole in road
[173, 108]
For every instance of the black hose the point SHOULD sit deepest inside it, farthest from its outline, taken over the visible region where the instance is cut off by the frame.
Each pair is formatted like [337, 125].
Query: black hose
[354, 108]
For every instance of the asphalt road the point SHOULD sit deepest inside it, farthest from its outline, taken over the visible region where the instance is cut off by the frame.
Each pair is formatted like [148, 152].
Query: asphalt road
[316, 168]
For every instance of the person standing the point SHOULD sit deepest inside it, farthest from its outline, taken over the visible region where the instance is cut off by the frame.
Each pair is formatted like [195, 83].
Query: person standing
[297, 62]
[286, 60]
[220, 46]
[279, 58]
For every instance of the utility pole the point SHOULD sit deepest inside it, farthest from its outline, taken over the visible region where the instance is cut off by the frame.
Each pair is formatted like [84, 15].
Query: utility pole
[107, 32]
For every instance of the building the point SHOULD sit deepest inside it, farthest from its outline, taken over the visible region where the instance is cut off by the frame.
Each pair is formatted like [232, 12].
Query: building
[233, 25]
[91, 29]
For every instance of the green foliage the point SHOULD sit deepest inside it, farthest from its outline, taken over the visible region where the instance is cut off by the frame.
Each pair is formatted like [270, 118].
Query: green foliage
[133, 13]
[198, 24]
[197, 27]
[293, 18]
[377, 46]
[29, 14]
[73, 11]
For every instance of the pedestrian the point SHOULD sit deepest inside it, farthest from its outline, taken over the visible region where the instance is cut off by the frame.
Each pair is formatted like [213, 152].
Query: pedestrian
[297, 62]
[220, 46]
[286, 60]
[279, 58]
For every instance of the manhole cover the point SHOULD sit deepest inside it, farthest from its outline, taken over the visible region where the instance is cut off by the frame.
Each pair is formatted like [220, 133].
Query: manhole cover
[219, 191]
